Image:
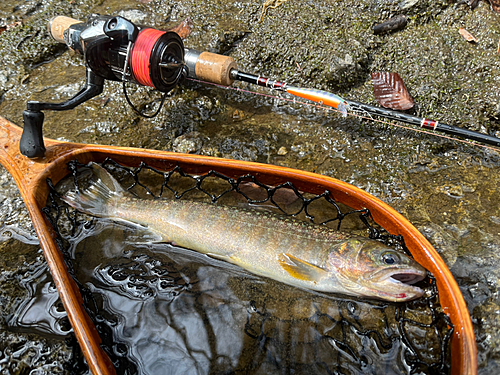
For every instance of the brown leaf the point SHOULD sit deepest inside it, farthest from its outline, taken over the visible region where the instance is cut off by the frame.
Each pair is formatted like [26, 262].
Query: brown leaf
[495, 4]
[10, 26]
[467, 36]
[390, 91]
[184, 28]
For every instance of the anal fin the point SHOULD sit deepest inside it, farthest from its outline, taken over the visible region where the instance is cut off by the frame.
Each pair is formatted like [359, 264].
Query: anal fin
[226, 258]
[139, 234]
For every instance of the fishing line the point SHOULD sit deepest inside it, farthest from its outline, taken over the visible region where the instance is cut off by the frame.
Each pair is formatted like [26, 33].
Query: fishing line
[140, 62]
[349, 113]
[164, 96]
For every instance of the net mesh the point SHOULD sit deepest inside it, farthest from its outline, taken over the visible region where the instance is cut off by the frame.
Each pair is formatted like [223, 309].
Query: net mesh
[280, 328]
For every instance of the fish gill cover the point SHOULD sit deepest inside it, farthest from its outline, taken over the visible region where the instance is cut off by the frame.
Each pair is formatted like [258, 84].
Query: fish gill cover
[158, 306]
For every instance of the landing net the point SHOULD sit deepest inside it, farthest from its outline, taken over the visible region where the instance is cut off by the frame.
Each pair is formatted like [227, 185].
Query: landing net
[159, 307]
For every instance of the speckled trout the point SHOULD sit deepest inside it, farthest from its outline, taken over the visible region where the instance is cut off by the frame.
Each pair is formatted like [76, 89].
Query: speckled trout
[294, 252]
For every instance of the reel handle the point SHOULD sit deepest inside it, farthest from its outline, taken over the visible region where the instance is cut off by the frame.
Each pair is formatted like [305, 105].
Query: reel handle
[31, 144]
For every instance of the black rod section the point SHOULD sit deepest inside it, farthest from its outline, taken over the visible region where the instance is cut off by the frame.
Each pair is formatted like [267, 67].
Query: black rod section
[383, 112]
[468, 134]
[257, 80]
[426, 123]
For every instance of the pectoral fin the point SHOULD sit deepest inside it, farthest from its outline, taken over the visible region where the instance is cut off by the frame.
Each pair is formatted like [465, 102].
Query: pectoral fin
[300, 269]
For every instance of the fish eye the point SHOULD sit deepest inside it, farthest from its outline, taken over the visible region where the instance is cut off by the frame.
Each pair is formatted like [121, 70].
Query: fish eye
[390, 258]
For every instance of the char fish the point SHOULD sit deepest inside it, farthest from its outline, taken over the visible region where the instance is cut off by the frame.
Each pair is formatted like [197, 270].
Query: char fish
[291, 251]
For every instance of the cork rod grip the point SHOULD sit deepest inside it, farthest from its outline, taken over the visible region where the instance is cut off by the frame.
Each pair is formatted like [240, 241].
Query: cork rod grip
[215, 68]
[58, 25]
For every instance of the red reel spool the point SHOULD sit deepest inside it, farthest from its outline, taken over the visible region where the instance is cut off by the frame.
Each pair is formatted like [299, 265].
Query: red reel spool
[152, 48]
[141, 55]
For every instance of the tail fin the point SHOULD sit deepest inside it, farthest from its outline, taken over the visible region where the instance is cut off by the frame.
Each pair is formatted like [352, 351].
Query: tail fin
[95, 199]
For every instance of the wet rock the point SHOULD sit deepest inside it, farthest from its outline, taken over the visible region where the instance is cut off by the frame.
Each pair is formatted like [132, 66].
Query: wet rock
[442, 241]
[206, 108]
[134, 15]
[20, 353]
[8, 79]
[30, 348]
[406, 4]
[435, 93]
[67, 91]
[236, 149]
[487, 318]
[14, 219]
[495, 219]
[226, 41]
[392, 24]
[101, 128]
[339, 61]
[190, 143]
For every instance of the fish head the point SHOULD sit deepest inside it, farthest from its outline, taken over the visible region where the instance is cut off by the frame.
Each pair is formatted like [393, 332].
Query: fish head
[371, 269]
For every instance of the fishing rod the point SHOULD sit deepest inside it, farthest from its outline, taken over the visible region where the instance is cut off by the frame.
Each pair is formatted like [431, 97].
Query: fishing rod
[343, 106]
[116, 49]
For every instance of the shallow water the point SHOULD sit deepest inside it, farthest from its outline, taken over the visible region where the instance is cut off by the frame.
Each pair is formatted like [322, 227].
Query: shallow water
[171, 309]
[165, 307]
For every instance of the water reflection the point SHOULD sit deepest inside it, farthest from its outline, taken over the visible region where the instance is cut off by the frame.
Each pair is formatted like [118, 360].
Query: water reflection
[41, 310]
[174, 311]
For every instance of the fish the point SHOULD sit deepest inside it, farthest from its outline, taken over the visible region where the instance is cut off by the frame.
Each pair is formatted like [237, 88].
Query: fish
[294, 252]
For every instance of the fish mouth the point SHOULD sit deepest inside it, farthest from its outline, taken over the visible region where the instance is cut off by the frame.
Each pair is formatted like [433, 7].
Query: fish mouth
[395, 284]
[408, 277]
[400, 275]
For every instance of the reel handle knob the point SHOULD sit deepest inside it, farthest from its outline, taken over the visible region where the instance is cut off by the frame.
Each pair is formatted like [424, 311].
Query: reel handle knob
[31, 144]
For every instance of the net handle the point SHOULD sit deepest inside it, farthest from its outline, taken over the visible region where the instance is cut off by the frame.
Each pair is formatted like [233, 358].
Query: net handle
[30, 176]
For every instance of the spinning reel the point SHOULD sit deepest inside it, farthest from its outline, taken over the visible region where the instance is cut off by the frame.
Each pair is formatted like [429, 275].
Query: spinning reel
[116, 49]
